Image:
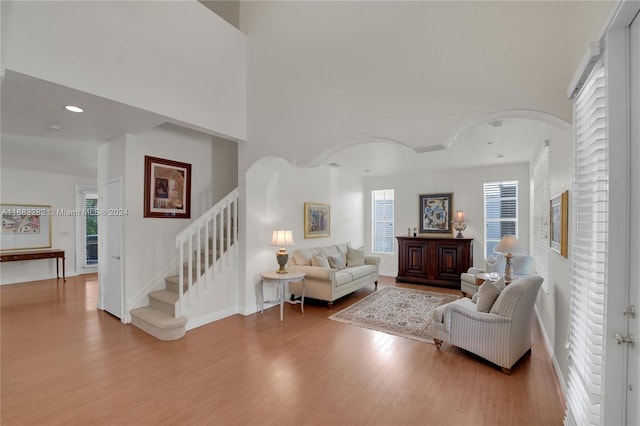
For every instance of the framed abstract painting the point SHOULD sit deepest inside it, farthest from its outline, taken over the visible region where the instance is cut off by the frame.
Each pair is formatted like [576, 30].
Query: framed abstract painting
[436, 214]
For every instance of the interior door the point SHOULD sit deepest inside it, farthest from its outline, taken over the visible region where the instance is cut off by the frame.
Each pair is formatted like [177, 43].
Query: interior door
[110, 237]
[633, 371]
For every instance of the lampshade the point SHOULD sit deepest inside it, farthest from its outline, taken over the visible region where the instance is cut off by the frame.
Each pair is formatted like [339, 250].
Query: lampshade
[282, 238]
[509, 244]
[460, 217]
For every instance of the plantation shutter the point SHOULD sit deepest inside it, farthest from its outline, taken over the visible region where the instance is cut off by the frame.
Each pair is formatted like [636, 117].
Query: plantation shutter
[500, 213]
[589, 255]
[383, 221]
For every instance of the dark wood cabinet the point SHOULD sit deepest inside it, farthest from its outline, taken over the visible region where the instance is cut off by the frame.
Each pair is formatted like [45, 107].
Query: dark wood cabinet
[434, 261]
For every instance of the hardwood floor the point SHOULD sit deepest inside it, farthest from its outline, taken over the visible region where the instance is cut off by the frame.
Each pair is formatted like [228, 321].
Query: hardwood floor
[66, 362]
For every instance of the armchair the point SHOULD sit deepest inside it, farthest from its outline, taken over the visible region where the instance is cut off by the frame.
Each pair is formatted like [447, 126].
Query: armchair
[521, 268]
[502, 335]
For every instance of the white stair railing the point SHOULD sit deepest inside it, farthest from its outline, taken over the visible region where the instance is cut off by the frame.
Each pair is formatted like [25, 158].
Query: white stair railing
[209, 241]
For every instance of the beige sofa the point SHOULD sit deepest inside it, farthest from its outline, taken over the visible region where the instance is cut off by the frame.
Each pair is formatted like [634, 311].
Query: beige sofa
[333, 271]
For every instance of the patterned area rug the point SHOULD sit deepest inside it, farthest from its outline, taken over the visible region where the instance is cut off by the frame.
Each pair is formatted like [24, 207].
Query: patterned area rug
[400, 311]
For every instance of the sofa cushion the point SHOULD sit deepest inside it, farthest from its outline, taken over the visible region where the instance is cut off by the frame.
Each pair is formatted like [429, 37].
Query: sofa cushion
[303, 257]
[343, 277]
[487, 295]
[355, 257]
[337, 262]
[361, 271]
[342, 248]
[320, 260]
[329, 251]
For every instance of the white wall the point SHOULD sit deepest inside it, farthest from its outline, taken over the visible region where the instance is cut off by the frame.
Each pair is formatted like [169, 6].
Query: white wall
[174, 58]
[58, 191]
[467, 188]
[275, 195]
[150, 252]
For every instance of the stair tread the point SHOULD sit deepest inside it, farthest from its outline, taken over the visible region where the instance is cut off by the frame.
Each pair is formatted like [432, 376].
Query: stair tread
[158, 318]
[166, 296]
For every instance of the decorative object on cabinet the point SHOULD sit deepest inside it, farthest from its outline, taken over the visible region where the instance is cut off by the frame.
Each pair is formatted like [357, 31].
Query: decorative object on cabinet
[317, 220]
[559, 218]
[282, 238]
[434, 261]
[167, 188]
[25, 226]
[508, 246]
[459, 223]
[436, 213]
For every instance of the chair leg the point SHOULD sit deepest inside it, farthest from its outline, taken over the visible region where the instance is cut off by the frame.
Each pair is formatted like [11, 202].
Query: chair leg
[330, 305]
[506, 371]
[376, 286]
[438, 343]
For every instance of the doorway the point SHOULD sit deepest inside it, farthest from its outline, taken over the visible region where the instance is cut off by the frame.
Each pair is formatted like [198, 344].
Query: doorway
[111, 226]
[86, 229]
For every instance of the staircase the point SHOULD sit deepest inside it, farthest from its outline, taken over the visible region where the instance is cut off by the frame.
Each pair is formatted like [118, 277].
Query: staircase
[205, 248]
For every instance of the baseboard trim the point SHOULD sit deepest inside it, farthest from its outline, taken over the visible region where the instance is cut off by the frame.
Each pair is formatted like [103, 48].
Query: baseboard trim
[28, 279]
[556, 366]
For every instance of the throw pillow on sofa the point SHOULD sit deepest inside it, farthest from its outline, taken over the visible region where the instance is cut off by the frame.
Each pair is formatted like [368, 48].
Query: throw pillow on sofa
[337, 262]
[320, 260]
[355, 257]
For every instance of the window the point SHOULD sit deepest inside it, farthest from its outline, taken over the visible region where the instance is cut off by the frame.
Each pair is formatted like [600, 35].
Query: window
[500, 213]
[589, 275]
[91, 229]
[382, 220]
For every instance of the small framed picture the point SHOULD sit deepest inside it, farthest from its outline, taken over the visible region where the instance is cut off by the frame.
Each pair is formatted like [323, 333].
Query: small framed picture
[435, 213]
[559, 220]
[167, 188]
[317, 220]
[25, 226]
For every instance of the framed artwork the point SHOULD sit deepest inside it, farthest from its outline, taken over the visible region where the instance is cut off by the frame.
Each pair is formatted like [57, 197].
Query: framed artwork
[317, 220]
[559, 219]
[167, 188]
[25, 226]
[436, 213]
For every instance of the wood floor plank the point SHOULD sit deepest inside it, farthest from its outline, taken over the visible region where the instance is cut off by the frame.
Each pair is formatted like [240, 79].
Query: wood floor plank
[64, 362]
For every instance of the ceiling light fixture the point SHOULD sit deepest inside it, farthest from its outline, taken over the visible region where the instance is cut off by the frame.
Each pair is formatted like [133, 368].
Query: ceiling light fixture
[500, 155]
[54, 127]
[73, 108]
[496, 123]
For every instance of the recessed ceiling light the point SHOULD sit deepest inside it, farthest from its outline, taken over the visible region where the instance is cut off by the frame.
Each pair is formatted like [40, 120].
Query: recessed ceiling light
[496, 123]
[500, 155]
[54, 127]
[73, 108]
[489, 143]
[334, 165]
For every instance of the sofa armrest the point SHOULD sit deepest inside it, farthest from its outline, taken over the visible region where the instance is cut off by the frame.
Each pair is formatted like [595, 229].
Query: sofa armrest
[473, 270]
[314, 272]
[372, 260]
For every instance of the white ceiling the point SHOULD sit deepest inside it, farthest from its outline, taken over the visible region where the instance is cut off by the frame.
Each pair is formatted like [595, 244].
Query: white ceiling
[328, 92]
[30, 107]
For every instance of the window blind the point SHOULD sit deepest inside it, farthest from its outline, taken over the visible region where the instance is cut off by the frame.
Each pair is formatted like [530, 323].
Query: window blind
[589, 255]
[541, 196]
[500, 213]
[383, 221]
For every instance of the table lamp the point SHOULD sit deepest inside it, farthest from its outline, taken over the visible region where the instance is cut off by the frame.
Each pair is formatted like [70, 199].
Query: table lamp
[508, 245]
[281, 238]
[459, 223]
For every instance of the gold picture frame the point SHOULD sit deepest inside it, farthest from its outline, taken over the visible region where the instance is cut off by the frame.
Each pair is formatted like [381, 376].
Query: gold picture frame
[317, 220]
[559, 220]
